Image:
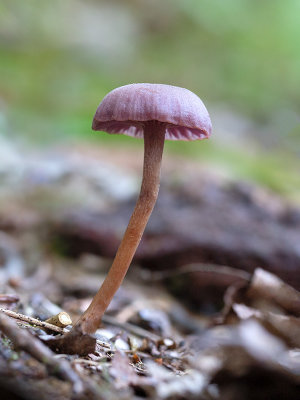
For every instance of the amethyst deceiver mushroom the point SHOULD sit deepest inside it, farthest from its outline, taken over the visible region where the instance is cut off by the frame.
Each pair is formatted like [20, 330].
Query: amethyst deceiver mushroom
[154, 112]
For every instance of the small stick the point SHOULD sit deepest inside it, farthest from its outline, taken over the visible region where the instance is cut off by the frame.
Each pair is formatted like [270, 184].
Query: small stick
[136, 330]
[33, 321]
[43, 324]
[199, 267]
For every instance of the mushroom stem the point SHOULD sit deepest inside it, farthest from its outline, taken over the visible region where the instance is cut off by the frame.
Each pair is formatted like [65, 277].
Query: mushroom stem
[154, 137]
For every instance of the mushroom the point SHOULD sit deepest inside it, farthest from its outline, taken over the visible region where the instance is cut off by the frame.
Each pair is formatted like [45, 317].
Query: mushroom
[154, 112]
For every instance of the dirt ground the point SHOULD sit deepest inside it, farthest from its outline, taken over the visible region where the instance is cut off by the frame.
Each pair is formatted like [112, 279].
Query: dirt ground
[209, 309]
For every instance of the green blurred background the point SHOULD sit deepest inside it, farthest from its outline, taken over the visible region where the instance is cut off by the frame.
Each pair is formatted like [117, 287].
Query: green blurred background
[242, 57]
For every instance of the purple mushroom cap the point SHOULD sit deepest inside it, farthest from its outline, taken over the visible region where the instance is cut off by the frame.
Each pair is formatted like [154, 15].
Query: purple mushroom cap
[126, 109]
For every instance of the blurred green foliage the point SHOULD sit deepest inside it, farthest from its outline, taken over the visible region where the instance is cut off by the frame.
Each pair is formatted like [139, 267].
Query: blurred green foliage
[59, 58]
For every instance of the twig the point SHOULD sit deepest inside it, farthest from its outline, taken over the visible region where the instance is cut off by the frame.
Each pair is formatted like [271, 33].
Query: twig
[136, 330]
[23, 340]
[205, 268]
[43, 324]
[33, 321]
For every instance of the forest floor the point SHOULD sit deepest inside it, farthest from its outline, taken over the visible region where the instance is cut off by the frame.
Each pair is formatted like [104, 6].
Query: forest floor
[210, 308]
